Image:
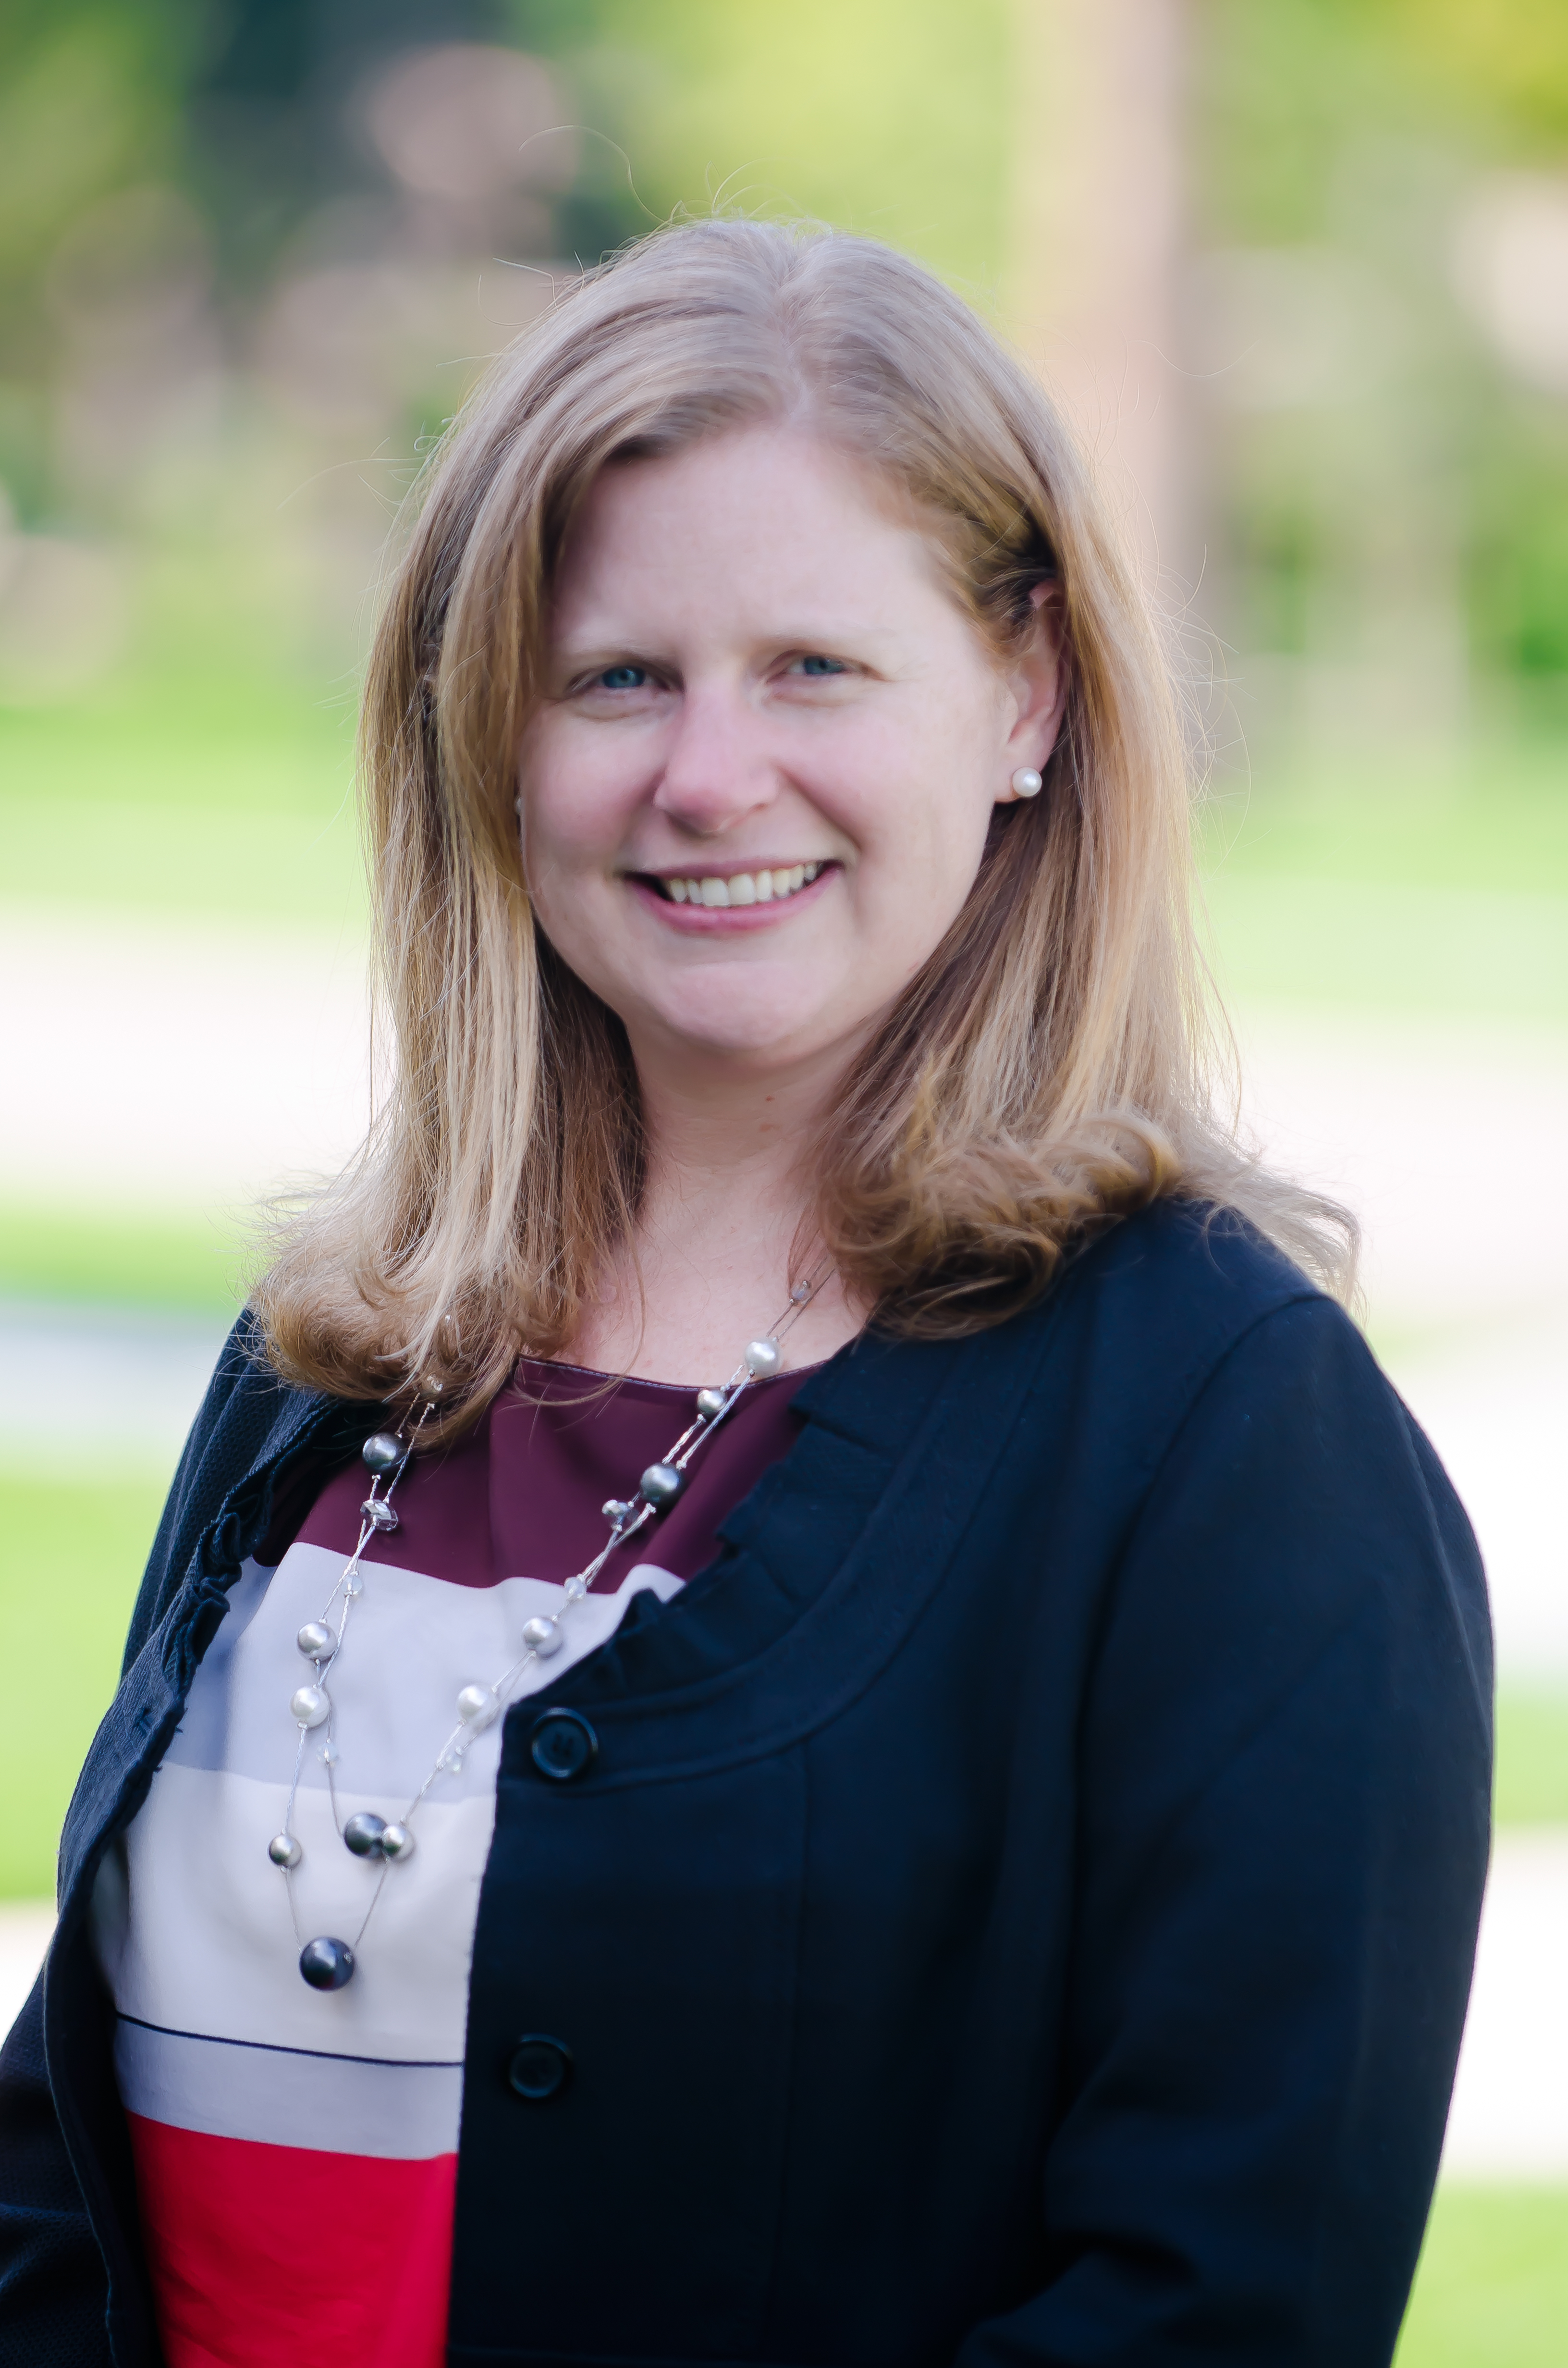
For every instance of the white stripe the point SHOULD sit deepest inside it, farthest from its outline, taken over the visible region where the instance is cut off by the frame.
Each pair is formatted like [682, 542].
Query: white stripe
[412, 1644]
[190, 1919]
[329, 2104]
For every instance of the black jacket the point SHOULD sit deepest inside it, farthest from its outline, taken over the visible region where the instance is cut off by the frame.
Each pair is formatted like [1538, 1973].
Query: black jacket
[1020, 1911]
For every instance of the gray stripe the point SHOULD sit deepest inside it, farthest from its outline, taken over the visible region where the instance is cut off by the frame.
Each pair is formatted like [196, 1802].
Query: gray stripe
[275, 2096]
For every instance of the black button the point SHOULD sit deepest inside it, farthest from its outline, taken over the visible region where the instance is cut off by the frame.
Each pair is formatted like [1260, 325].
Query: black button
[562, 1745]
[539, 2067]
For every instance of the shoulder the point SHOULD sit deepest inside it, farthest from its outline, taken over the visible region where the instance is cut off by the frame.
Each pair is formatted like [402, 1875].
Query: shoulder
[1134, 1326]
[1187, 1272]
[1146, 1314]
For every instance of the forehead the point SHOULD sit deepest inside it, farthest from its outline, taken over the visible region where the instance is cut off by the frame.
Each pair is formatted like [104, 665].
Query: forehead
[766, 514]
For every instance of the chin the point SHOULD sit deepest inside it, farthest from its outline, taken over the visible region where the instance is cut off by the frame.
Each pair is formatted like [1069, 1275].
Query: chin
[738, 1009]
[731, 1028]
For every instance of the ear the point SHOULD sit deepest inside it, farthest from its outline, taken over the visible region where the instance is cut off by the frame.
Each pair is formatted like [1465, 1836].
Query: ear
[1037, 679]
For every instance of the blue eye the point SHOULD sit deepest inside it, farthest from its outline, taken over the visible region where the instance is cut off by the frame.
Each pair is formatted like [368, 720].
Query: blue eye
[821, 666]
[623, 677]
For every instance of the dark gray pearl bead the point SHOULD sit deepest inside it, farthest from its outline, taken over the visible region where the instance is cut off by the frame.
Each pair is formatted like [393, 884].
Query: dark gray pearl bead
[284, 1850]
[710, 1403]
[378, 1513]
[381, 1451]
[397, 1842]
[326, 1963]
[365, 1833]
[662, 1484]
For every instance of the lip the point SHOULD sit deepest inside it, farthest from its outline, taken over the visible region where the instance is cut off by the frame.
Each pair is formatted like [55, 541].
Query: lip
[732, 921]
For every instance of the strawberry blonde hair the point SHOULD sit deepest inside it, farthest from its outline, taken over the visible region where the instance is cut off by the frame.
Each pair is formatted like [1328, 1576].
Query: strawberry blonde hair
[1046, 1072]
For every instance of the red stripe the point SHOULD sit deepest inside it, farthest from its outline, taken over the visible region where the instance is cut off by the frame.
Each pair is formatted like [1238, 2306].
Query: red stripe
[266, 2254]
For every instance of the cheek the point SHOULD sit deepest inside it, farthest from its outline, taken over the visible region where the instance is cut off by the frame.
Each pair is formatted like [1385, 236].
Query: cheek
[569, 813]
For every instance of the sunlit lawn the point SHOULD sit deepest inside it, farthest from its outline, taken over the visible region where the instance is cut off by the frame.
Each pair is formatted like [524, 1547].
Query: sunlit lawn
[75, 1550]
[1492, 2291]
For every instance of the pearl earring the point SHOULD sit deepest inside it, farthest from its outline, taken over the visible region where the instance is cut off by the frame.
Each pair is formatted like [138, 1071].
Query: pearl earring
[1027, 783]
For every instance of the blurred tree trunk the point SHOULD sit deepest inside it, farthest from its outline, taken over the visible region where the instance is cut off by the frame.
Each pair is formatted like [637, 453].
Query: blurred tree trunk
[1098, 220]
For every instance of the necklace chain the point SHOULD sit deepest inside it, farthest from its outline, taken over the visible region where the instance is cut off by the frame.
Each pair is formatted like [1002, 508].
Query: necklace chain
[327, 1963]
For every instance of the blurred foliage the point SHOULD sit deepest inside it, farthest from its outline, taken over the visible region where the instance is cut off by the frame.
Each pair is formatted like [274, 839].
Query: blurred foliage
[887, 118]
[90, 103]
[1410, 485]
[1510, 56]
[226, 333]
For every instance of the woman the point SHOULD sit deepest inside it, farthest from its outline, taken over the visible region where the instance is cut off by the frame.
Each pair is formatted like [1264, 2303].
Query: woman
[974, 1854]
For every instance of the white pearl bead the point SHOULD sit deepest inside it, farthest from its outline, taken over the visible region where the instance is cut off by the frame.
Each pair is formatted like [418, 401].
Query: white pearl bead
[311, 1705]
[710, 1403]
[1027, 783]
[478, 1707]
[314, 1640]
[543, 1635]
[762, 1358]
[397, 1842]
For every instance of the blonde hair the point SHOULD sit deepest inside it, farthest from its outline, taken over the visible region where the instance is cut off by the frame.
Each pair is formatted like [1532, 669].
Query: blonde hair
[1045, 1072]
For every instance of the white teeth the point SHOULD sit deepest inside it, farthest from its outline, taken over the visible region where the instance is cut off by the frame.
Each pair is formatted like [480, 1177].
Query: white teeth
[742, 887]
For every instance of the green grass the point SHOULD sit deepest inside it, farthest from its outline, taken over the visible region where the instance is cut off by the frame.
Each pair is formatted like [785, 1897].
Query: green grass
[161, 811]
[1492, 2290]
[1365, 949]
[107, 1258]
[1497, 822]
[1532, 1763]
[1441, 896]
[74, 1556]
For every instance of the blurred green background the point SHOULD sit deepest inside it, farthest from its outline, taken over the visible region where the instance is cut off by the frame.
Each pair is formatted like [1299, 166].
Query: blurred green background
[1299, 268]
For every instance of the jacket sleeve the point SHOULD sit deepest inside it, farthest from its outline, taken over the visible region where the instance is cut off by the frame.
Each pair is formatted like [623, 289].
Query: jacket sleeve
[207, 1465]
[1286, 1766]
[54, 2289]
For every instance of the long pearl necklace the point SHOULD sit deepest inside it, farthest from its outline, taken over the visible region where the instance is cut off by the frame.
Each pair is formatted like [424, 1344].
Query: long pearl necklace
[326, 1963]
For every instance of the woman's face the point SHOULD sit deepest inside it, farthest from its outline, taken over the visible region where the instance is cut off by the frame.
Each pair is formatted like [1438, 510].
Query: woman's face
[756, 793]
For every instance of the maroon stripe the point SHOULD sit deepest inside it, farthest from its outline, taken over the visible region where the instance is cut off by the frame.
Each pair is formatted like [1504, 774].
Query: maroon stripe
[519, 1496]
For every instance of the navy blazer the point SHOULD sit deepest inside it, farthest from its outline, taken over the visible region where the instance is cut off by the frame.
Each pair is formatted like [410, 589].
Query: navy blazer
[1021, 1908]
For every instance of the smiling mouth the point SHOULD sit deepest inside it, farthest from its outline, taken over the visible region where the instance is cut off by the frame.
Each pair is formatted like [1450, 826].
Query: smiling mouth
[739, 888]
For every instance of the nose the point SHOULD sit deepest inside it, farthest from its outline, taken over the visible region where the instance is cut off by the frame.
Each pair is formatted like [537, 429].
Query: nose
[718, 769]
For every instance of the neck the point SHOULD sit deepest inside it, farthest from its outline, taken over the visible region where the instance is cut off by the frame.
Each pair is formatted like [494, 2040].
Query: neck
[723, 1232]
